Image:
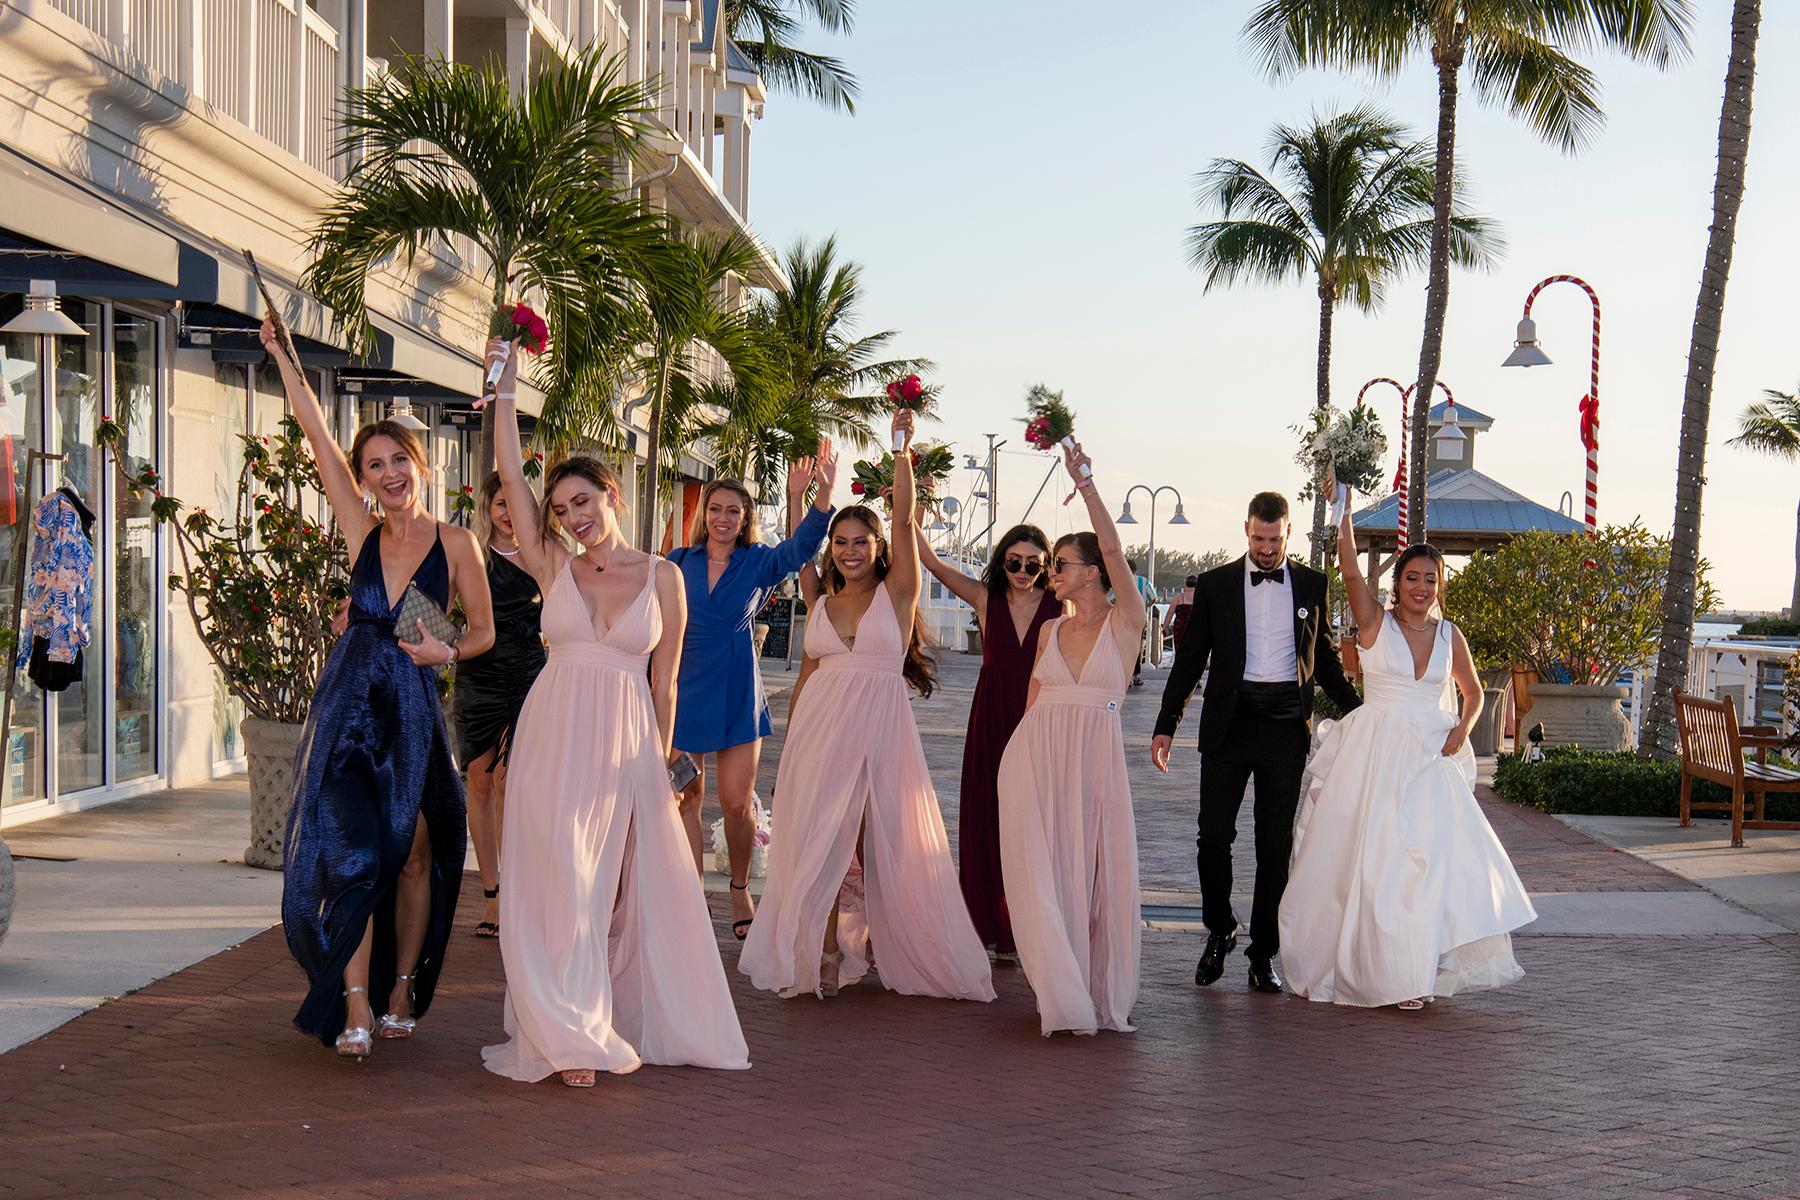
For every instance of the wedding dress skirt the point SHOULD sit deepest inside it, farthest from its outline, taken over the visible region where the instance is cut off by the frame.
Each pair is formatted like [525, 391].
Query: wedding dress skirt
[1399, 887]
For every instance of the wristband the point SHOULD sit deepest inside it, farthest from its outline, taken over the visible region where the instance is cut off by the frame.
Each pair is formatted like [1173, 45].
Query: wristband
[451, 661]
[506, 395]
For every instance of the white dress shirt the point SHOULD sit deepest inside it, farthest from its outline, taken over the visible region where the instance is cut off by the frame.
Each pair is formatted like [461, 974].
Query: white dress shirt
[1269, 627]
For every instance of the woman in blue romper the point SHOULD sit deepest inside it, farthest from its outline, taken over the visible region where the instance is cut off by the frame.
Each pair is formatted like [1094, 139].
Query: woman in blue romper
[720, 708]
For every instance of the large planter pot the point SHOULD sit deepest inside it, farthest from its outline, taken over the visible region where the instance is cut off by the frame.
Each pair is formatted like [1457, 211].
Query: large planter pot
[270, 747]
[6, 889]
[1581, 715]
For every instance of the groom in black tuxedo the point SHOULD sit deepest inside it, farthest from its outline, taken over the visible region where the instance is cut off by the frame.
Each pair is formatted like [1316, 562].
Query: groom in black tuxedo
[1262, 623]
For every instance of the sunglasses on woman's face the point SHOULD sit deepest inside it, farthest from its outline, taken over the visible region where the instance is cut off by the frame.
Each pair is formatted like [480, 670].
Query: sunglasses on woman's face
[1028, 567]
[1071, 562]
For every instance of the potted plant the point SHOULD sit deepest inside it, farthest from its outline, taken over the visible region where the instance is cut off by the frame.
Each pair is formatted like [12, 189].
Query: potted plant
[1571, 613]
[262, 584]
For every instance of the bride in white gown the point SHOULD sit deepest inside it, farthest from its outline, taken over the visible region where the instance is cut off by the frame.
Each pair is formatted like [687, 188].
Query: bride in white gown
[1399, 891]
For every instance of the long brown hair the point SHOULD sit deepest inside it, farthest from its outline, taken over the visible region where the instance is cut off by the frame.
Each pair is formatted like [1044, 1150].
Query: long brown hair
[581, 466]
[748, 533]
[920, 668]
[1419, 550]
[1089, 544]
[994, 578]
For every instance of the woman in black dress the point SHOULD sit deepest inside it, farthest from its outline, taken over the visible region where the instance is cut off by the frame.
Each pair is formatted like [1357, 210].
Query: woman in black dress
[491, 689]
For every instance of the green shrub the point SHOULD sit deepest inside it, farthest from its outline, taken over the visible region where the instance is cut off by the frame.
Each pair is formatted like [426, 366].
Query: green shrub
[1325, 706]
[1770, 627]
[1610, 783]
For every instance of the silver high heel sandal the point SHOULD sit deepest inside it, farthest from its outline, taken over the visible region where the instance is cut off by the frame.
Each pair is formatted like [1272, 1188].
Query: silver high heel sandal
[833, 960]
[400, 1027]
[354, 1041]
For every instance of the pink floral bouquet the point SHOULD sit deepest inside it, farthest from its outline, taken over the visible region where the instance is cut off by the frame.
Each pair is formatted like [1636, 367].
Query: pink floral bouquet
[1049, 424]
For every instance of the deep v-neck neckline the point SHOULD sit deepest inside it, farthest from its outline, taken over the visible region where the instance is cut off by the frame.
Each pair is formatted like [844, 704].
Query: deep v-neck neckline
[855, 633]
[1080, 675]
[1430, 655]
[1019, 635]
[600, 635]
[437, 536]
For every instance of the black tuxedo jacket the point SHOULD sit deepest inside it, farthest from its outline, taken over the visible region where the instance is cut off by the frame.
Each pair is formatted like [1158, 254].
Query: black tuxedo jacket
[1215, 632]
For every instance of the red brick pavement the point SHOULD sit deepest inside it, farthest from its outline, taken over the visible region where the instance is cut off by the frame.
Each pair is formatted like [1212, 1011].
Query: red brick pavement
[1619, 1067]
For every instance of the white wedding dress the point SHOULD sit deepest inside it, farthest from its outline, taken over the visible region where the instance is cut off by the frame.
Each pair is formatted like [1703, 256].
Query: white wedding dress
[1399, 888]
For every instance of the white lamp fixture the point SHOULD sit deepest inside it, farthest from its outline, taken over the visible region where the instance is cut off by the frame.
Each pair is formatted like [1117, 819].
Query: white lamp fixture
[1525, 348]
[1125, 517]
[1449, 439]
[400, 413]
[1180, 518]
[42, 314]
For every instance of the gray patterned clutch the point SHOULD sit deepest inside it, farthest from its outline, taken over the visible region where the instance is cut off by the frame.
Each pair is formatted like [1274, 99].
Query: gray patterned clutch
[416, 606]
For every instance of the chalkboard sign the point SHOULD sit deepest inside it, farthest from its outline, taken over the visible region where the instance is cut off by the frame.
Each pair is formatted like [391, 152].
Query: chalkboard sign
[779, 614]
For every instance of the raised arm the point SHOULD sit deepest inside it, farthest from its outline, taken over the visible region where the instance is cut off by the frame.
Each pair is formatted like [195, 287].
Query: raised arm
[665, 658]
[1128, 602]
[903, 556]
[341, 489]
[542, 557]
[969, 591]
[1363, 605]
[805, 536]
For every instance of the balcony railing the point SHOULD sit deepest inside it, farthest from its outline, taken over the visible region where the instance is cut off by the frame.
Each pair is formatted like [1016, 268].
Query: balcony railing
[275, 67]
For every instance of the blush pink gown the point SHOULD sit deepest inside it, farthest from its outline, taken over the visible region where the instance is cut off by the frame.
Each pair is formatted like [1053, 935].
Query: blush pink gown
[853, 760]
[608, 946]
[1068, 844]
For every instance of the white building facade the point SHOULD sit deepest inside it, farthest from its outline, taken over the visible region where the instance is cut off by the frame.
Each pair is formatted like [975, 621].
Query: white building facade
[143, 145]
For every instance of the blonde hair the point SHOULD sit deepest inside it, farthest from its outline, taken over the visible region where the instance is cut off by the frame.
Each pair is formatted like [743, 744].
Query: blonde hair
[747, 532]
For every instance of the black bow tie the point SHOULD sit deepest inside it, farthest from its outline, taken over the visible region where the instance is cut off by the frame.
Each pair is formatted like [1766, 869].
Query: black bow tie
[1275, 576]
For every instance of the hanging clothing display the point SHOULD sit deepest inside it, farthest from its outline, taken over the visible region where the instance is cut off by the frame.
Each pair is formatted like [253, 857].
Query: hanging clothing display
[59, 591]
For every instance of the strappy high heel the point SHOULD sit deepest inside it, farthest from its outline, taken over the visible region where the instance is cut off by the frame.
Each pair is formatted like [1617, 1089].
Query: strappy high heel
[741, 929]
[393, 1027]
[579, 1077]
[354, 1041]
[488, 929]
[1411, 1005]
[829, 988]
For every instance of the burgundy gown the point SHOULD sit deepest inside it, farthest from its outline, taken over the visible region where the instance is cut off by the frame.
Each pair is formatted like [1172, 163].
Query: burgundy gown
[999, 706]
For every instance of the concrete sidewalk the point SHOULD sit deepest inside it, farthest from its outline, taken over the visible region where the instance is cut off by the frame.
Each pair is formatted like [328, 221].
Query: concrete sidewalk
[1762, 876]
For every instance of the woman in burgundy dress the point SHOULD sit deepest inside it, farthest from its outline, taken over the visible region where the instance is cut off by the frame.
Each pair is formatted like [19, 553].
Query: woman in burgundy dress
[1011, 603]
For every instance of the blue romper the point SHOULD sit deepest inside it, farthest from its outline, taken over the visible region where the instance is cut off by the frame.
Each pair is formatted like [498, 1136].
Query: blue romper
[719, 698]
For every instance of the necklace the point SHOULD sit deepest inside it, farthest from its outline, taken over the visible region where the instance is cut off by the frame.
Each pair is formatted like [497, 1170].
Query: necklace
[1415, 628]
[513, 553]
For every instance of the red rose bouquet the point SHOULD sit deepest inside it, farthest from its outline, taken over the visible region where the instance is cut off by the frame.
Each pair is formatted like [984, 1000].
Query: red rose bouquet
[910, 393]
[932, 465]
[1049, 423]
[516, 323]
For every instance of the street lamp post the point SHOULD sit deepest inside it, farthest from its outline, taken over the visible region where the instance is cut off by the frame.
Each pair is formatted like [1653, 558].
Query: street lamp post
[1401, 485]
[1527, 353]
[1125, 518]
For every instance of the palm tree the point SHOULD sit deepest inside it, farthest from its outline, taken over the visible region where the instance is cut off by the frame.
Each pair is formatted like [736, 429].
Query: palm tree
[686, 313]
[1772, 426]
[1515, 54]
[764, 30]
[440, 149]
[1355, 214]
[1657, 738]
[828, 380]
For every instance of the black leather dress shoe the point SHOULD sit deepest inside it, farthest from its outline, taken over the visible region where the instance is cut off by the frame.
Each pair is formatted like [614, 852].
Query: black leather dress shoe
[1264, 977]
[1212, 959]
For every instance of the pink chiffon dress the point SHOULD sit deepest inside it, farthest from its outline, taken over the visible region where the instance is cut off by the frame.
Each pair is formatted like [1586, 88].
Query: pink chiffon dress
[608, 946]
[1068, 844]
[853, 763]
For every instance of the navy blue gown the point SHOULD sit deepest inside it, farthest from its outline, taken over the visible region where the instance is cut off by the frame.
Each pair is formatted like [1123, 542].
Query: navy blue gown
[375, 755]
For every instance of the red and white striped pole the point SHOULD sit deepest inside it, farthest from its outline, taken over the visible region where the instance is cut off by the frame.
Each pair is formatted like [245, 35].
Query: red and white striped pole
[1589, 407]
[1400, 478]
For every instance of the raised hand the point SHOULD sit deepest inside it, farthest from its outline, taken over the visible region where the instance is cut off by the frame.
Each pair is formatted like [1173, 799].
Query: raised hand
[1080, 466]
[825, 468]
[500, 350]
[904, 420]
[800, 476]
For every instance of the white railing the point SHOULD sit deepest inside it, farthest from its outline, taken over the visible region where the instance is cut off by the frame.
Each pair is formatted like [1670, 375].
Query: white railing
[1751, 673]
[274, 65]
[565, 15]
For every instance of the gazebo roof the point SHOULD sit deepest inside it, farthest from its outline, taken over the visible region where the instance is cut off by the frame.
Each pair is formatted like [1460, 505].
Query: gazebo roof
[1464, 511]
[1466, 417]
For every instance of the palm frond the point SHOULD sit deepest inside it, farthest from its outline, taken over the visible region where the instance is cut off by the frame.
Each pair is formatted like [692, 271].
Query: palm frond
[1551, 92]
[1771, 425]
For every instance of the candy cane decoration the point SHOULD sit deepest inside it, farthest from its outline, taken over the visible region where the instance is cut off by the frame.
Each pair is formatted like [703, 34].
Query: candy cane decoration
[1589, 407]
[1400, 478]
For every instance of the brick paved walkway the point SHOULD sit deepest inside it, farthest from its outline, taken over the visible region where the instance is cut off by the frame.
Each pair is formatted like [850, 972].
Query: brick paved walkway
[1620, 1066]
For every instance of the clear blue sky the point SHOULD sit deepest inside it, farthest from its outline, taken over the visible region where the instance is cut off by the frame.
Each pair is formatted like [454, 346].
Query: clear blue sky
[1019, 177]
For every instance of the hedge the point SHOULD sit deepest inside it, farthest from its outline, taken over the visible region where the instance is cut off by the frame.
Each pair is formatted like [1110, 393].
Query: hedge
[1615, 783]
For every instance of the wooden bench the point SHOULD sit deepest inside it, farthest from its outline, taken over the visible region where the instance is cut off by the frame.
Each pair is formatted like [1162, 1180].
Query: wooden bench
[1712, 748]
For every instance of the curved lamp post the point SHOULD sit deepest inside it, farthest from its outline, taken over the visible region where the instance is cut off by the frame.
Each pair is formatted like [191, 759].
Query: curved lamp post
[1527, 353]
[1125, 518]
[1400, 475]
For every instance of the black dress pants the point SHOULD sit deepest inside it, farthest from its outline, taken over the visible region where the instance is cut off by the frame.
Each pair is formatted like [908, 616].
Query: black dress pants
[1272, 753]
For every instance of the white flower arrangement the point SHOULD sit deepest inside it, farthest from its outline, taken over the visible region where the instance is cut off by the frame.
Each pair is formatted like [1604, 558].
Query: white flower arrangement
[759, 851]
[1350, 443]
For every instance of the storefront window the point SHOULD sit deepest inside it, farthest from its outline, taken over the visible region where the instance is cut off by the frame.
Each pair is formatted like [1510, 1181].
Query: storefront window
[80, 733]
[20, 412]
[134, 552]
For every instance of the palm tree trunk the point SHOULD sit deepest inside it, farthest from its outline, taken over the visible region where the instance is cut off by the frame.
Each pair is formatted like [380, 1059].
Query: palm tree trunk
[1327, 301]
[1658, 738]
[653, 462]
[1437, 289]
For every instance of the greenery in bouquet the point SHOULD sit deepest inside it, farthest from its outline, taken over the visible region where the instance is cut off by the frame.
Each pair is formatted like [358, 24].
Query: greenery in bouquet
[1048, 420]
[262, 583]
[932, 464]
[1349, 444]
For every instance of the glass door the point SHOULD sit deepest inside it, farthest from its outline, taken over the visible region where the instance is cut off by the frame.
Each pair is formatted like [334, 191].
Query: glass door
[21, 430]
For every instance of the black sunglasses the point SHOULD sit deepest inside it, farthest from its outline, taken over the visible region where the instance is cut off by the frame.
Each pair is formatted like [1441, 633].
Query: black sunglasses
[1026, 566]
[1071, 562]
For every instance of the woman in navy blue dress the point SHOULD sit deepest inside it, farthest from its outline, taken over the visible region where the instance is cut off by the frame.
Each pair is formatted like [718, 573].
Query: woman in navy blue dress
[720, 706]
[375, 841]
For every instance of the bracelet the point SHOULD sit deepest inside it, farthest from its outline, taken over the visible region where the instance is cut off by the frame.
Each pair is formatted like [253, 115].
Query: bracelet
[506, 395]
[451, 661]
